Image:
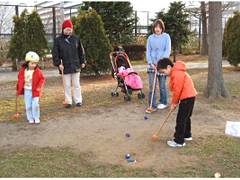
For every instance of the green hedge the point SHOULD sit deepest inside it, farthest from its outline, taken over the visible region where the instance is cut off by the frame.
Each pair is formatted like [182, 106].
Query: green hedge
[134, 51]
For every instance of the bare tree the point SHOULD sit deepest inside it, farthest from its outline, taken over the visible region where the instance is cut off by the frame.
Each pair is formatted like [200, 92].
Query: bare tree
[5, 19]
[202, 13]
[215, 83]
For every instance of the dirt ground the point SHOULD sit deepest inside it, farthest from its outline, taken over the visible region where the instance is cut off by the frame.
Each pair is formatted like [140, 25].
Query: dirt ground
[102, 130]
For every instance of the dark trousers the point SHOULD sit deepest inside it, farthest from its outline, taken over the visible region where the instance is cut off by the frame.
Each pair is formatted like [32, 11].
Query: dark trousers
[183, 121]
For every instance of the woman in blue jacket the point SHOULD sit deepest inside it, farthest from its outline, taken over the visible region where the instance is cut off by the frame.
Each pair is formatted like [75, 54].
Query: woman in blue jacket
[158, 47]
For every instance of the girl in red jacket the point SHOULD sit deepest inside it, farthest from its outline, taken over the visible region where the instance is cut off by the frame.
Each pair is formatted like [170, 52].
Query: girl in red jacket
[183, 94]
[30, 84]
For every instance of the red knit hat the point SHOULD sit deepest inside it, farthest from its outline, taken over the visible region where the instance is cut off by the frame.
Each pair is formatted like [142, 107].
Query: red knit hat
[67, 24]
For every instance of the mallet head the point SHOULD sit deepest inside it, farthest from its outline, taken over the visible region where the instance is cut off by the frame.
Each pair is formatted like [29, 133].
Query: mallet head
[16, 116]
[155, 138]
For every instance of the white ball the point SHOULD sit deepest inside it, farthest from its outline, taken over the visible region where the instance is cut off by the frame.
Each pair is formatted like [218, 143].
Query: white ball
[217, 175]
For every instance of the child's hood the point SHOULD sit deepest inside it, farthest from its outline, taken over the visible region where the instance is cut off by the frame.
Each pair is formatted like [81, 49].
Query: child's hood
[179, 66]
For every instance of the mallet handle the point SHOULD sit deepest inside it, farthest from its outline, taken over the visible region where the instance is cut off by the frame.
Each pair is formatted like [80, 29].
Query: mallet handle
[167, 117]
[153, 88]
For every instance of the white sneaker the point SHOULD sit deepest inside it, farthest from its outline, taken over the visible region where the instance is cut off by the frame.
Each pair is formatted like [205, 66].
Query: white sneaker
[162, 106]
[188, 139]
[31, 121]
[37, 121]
[173, 144]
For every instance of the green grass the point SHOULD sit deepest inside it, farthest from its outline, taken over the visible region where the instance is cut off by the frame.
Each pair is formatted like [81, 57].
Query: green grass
[214, 154]
[61, 162]
[139, 62]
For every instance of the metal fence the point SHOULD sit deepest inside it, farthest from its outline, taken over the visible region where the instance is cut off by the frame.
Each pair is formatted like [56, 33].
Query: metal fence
[52, 17]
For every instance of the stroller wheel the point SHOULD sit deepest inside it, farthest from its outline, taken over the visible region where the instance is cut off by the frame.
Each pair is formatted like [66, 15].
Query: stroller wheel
[127, 98]
[114, 94]
[130, 91]
[141, 95]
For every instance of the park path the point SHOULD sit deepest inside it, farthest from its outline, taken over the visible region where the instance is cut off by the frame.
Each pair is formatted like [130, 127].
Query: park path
[12, 76]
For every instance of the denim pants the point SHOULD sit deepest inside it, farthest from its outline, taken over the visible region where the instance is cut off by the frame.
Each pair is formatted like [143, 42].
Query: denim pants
[162, 88]
[32, 106]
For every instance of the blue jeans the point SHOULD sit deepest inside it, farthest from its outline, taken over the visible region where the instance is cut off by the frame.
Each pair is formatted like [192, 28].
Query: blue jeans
[32, 106]
[162, 88]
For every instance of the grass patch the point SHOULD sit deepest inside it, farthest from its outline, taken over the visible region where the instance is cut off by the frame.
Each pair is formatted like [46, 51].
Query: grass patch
[96, 92]
[215, 154]
[63, 162]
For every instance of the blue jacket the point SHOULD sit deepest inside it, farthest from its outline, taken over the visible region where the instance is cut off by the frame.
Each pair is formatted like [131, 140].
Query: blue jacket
[158, 47]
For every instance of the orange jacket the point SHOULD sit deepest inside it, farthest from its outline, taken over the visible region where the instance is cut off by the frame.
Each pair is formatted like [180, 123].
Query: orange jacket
[180, 83]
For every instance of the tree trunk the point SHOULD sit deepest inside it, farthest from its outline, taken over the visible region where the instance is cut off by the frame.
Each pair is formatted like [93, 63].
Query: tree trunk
[14, 65]
[174, 54]
[215, 84]
[204, 46]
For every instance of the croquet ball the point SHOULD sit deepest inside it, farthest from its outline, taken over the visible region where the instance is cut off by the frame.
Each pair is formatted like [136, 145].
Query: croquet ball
[217, 175]
[127, 135]
[127, 156]
[145, 117]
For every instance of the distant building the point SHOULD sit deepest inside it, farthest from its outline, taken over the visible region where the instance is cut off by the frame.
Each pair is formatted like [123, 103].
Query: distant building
[63, 10]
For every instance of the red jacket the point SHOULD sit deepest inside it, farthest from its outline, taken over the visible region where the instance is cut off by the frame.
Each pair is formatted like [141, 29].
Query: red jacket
[180, 83]
[37, 82]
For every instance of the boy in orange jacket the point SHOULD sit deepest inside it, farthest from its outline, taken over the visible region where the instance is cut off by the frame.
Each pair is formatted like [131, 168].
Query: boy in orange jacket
[183, 94]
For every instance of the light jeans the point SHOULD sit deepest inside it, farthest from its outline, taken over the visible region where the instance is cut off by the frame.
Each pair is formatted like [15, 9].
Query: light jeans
[74, 79]
[32, 107]
[162, 88]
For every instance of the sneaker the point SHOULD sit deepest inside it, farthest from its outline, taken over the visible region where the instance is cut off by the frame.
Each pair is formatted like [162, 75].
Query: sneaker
[31, 121]
[173, 144]
[150, 110]
[78, 104]
[67, 105]
[37, 121]
[162, 106]
[188, 139]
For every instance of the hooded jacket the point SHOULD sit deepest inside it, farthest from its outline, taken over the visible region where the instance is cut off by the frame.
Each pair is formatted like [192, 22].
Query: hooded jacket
[37, 82]
[180, 83]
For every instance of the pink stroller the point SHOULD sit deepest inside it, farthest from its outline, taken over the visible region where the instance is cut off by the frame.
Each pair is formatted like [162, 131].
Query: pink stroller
[126, 78]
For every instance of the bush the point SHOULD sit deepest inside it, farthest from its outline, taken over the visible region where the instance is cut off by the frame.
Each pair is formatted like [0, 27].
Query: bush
[231, 40]
[192, 46]
[134, 51]
[89, 26]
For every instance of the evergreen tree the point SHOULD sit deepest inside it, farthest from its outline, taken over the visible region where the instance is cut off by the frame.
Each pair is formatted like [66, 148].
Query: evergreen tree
[118, 19]
[28, 35]
[17, 47]
[231, 41]
[35, 34]
[89, 26]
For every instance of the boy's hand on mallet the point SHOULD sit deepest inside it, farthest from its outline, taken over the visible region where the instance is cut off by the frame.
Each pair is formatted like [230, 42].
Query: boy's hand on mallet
[173, 107]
